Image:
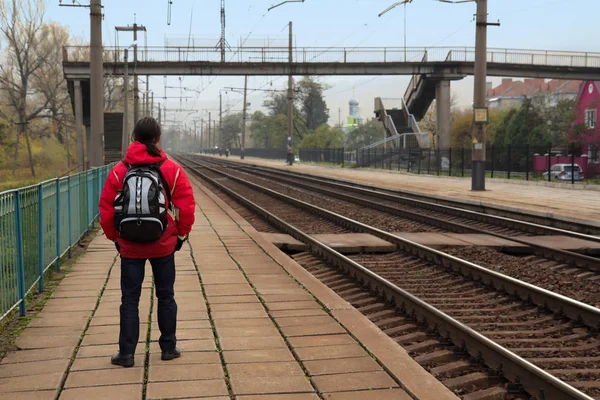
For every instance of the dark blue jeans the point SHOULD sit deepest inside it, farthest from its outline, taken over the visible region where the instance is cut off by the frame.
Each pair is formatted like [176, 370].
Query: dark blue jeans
[132, 276]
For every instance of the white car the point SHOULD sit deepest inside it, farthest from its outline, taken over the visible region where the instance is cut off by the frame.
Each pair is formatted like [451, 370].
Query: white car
[562, 172]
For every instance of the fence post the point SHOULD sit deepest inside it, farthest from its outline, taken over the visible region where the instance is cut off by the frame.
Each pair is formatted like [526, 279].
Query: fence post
[549, 162]
[509, 161]
[41, 227]
[429, 161]
[69, 214]
[493, 152]
[462, 161]
[19, 243]
[573, 163]
[437, 162]
[420, 158]
[57, 224]
[450, 161]
[527, 162]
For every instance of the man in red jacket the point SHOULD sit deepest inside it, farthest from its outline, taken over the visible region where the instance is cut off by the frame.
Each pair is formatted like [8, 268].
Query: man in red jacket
[161, 253]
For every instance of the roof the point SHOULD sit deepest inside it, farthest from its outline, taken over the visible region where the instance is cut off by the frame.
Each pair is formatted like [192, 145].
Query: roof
[533, 87]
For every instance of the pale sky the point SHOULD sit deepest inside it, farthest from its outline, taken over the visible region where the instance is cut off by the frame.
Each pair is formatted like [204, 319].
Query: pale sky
[526, 24]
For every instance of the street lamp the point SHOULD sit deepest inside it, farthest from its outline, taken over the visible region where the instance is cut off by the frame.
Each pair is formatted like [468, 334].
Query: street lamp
[480, 110]
[399, 3]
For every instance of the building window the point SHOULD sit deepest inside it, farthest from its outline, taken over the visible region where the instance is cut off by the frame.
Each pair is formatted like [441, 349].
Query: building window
[590, 118]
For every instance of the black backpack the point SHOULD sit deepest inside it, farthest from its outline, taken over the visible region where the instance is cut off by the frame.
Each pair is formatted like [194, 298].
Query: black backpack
[140, 208]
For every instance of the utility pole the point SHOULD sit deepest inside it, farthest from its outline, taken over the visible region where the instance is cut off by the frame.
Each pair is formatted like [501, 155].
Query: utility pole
[96, 145]
[136, 93]
[202, 140]
[480, 110]
[290, 96]
[152, 106]
[125, 138]
[159, 113]
[243, 144]
[220, 120]
[147, 97]
[210, 146]
[215, 132]
[195, 136]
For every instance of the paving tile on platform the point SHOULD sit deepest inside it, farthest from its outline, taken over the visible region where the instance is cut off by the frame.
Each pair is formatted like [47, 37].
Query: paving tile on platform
[318, 341]
[186, 389]
[49, 381]
[383, 394]
[353, 381]
[33, 368]
[261, 356]
[252, 343]
[129, 392]
[36, 395]
[105, 377]
[187, 357]
[189, 345]
[342, 366]
[264, 385]
[190, 372]
[54, 353]
[274, 369]
[317, 329]
[287, 396]
[330, 352]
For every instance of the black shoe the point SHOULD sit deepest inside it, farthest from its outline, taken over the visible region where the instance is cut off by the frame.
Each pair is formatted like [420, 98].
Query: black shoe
[171, 355]
[126, 360]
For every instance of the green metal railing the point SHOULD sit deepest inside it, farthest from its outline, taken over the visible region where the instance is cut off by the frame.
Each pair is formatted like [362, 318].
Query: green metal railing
[39, 225]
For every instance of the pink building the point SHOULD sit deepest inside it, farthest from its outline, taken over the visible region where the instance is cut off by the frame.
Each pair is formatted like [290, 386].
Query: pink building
[588, 109]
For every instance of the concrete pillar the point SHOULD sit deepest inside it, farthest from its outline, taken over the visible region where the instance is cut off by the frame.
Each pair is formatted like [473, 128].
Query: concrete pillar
[79, 126]
[442, 103]
[88, 139]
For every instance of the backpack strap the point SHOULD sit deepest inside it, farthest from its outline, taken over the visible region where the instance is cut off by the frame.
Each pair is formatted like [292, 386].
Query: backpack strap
[157, 168]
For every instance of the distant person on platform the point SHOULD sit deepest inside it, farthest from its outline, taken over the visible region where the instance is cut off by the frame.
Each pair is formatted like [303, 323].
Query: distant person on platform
[147, 208]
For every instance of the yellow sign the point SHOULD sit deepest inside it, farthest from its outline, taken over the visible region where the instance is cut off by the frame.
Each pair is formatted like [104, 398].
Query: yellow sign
[475, 141]
[481, 115]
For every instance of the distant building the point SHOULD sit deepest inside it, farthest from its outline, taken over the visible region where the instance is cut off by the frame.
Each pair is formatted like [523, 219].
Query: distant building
[588, 108]
[354, 118]
[511, 94]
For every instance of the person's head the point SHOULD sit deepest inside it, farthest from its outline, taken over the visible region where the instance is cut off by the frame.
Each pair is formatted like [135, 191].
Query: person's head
[147, 131]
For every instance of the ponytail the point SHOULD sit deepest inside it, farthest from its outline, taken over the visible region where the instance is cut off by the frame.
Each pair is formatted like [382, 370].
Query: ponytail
[147, 131]
[152, 149]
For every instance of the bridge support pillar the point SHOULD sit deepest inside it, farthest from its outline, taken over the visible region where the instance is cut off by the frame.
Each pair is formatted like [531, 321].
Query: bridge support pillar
[443, 118]
[79, 126]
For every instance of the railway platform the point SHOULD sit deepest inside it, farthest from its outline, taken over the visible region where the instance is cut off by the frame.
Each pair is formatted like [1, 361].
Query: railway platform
[253, 324]
[562, 202]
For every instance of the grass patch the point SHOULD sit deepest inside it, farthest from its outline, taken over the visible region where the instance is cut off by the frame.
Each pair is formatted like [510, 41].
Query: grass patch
[13, 325]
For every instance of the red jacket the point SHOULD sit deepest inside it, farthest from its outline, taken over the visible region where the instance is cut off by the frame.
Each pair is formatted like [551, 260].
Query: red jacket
[182, 197]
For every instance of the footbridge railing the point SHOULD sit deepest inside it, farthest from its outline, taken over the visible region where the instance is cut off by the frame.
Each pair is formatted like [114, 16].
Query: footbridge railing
[342, 55]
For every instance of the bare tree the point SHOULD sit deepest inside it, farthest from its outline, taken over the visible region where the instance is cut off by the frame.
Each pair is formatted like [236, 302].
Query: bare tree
[49, 81]
[21, 23]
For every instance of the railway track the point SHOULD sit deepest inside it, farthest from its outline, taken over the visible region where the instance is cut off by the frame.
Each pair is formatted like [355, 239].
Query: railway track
[559, 274]
[540, 223]
[489, 317]
[457, 211]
